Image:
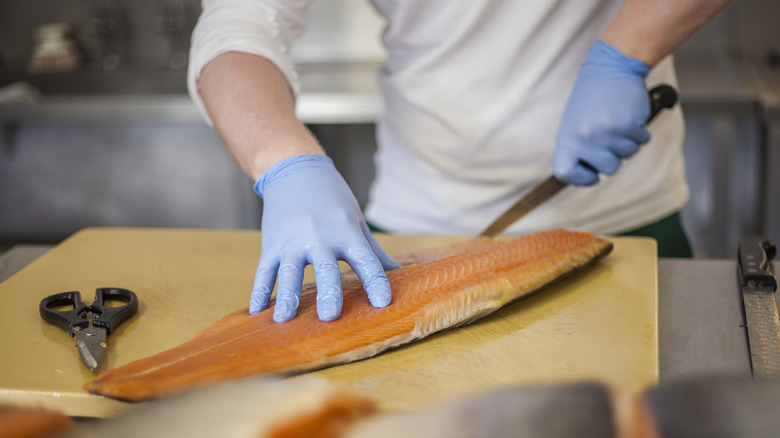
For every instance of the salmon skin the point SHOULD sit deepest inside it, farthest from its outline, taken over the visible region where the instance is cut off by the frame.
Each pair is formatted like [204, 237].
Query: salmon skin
[428, 296]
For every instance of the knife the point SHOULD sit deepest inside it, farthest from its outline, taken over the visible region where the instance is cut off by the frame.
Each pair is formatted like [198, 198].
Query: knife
[661, 96]
[758, 284]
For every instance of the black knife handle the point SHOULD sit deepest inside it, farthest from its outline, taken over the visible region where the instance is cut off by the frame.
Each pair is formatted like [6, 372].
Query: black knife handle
[755, 262]
[661, 96]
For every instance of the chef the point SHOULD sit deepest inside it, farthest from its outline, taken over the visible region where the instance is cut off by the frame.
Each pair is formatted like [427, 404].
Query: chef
[482, 100]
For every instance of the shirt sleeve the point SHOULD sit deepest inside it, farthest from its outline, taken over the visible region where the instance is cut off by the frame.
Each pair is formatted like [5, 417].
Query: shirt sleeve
[260, 27]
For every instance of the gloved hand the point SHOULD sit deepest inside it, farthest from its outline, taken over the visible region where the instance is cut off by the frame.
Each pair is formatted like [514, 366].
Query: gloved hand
[310, 216]
[605, 117]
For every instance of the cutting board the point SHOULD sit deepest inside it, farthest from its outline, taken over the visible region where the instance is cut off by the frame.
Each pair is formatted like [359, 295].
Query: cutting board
[600, 324]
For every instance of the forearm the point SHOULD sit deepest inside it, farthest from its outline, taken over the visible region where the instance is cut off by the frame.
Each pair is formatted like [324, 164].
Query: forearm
[649, 30]
[253, 110]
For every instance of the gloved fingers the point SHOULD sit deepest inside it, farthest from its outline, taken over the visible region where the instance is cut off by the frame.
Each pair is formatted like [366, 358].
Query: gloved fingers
[563, 165]
[371, 273]
[581, 175]
[604, 156]
[623, 147]
[636, 133]
[387, 262]
[602, 160]
[580, 167]
[288, 288]
[327, 275]
[265, 277]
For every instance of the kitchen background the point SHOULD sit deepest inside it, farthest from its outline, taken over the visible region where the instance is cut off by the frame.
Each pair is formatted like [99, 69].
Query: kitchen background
[118, 143]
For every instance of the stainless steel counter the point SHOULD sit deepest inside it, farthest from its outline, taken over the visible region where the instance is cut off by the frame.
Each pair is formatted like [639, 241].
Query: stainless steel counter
[701, 324]
[140, 120]
[728, 85]
[331, 94]
[347, 93]
[177, 109]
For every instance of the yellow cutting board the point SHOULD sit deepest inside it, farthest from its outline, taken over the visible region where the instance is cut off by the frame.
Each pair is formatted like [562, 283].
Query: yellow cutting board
[600, 324]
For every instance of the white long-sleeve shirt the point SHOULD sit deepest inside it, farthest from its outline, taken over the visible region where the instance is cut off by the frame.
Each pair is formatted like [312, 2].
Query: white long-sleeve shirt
[474, 91]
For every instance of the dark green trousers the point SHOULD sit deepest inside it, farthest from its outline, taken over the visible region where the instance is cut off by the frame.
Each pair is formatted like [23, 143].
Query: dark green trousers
[670, 235]
[668, 232]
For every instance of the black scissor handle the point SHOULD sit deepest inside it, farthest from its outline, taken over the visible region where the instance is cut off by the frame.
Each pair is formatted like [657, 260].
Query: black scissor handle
[111, 317]
[69, 319]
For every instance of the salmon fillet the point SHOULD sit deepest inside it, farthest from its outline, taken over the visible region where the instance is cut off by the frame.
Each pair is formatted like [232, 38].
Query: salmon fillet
[29, 422]
[256, 407]
[428, 297]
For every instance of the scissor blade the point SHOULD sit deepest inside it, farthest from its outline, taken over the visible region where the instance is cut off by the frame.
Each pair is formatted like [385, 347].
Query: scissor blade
[542, 192]
[91, 343]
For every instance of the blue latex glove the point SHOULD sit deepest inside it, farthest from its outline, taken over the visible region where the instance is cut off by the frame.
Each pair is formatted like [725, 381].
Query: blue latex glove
[310, 216]
[604, 121]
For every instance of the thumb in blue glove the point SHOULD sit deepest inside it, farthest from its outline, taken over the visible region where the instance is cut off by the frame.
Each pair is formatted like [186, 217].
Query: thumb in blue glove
[310, 216]
[605, 117]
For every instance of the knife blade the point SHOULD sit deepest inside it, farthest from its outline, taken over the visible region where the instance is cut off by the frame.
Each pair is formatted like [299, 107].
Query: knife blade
[758, 285]
[661, 96]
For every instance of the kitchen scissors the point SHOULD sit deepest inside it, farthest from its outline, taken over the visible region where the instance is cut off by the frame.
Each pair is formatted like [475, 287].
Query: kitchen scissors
[90, 338]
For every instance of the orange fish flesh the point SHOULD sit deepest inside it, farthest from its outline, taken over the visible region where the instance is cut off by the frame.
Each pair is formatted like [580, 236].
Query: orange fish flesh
[428, 296]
